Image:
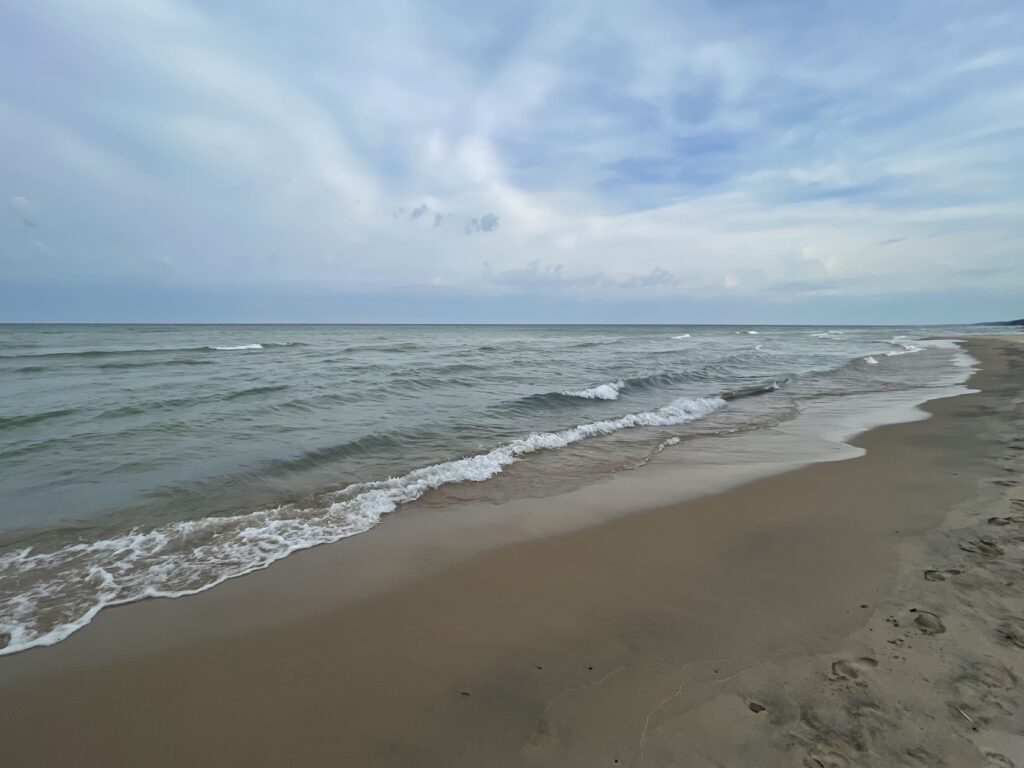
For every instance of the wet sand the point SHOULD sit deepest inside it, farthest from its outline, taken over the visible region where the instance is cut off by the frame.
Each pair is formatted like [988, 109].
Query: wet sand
[859, 612]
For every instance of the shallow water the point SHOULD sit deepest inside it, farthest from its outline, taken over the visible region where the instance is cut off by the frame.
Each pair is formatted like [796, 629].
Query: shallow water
[161, 460]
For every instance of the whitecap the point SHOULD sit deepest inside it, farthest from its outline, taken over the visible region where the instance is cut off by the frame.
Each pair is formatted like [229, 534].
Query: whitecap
[902, 347]
[682, 336]
[237, 348]
[608, 391]
[870, 360]
[191, 556]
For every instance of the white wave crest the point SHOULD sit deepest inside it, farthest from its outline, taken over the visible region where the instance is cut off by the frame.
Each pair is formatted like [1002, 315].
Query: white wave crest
[666, 443]
[902, 347]
[608, 391]
[682, 336]
[61, 591]
[237, 348]
[870, 360]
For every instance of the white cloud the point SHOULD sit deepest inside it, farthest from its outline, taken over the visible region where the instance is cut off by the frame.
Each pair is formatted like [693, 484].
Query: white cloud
[656, 150]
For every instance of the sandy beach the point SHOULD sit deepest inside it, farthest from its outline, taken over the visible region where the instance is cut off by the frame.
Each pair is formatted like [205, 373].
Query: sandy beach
[864, 612]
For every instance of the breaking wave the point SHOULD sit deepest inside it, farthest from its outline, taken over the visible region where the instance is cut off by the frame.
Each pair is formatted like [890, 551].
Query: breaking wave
[60, 591]
[608, 391]
[902, 347]
[87, 353]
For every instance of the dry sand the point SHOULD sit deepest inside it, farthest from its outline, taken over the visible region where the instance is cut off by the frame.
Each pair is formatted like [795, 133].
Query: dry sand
[867, 612]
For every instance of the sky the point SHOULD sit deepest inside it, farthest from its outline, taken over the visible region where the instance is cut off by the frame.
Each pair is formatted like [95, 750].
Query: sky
[678, 162]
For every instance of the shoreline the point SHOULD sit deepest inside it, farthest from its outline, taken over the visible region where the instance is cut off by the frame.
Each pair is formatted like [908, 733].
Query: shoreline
[445, 528]
[575, 647]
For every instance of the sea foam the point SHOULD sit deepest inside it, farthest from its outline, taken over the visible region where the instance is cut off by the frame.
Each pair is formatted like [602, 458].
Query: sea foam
[902, 347]
[608, 391]
[61, 591]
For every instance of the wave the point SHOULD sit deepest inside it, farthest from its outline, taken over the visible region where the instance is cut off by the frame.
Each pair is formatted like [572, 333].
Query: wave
[182, 402]
[682, 336]
[77, 581]
[608, 391]
[902, 347]
[33, 418]
[752, 333]
[459, 368]
[712, 372]
[185, 402]
[756, 389]
[674, 440]
[87, 353]
[265, 390]
[260, 345]
[399, 347]
[588, 344]
[360, 446]
[870, 360]
[126, 365]
[727, 368]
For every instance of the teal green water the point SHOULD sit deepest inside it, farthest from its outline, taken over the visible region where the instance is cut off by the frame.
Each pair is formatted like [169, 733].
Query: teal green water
[160, 460]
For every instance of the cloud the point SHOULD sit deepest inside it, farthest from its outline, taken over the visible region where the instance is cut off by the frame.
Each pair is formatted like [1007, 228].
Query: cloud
[656, 278]
[24, 210]
[652, 150]
[540, 277]
[486, 223]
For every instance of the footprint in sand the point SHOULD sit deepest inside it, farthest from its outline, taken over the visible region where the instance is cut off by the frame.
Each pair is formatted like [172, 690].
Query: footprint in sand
[937, 575]
[1011, 634]
[825, 760]
[983, 547]
[852, 669]
[994, 676]
[928, 622]
[981, 693]
[996, 760]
